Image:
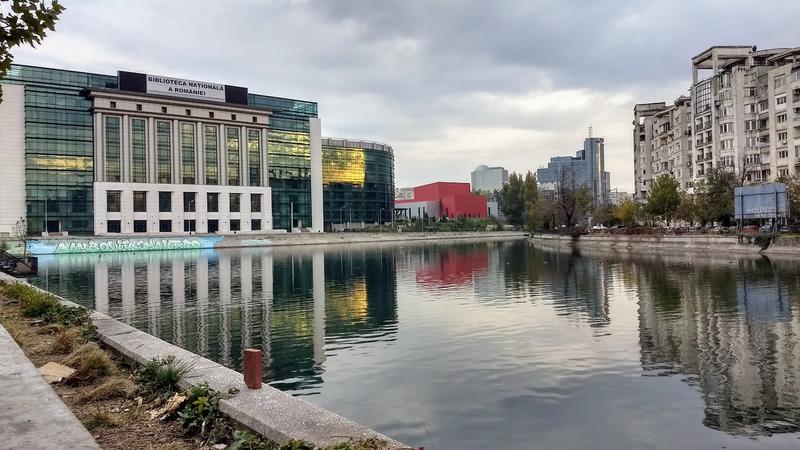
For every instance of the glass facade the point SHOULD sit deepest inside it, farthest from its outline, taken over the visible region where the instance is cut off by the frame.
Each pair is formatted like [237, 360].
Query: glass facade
[138, 150]
[59, 146]
[254, 156]
[187, 153]
[164, 151]
[232, 140]
[113, 144]
[211, 149]
[357, 181]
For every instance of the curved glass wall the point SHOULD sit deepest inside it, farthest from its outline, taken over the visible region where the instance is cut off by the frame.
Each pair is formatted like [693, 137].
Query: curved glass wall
[357, 181]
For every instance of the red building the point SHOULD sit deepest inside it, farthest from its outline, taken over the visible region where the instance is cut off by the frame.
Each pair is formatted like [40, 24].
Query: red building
[445, 199]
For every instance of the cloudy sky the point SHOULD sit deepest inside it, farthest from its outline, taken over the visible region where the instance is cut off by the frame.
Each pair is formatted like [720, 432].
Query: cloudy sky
[449, 84]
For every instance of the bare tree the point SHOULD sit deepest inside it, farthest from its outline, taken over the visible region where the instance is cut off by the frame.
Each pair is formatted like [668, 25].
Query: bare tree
[746, 168]
[570, 196]
[21, 233]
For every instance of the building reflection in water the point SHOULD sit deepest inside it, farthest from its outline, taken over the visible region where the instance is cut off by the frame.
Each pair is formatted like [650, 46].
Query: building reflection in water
[456, 265]
[733, 331]
[292, 304]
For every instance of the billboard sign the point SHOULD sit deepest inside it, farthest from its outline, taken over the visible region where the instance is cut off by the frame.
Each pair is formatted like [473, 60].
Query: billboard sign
[763, 201]
[179, 87]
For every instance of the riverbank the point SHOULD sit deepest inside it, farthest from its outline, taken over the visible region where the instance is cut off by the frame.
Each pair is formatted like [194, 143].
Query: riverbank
[106, 244]
[747, 245]
[269, 412]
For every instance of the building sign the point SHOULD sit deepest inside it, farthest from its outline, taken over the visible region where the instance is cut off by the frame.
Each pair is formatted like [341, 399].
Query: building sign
[179, 87]
[764, 201]
[100, 245]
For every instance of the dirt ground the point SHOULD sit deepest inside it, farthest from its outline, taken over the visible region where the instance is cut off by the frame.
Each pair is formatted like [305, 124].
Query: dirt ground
[120, 423]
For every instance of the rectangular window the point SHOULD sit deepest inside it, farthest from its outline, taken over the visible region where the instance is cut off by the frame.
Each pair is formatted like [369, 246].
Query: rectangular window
[114, 226]
[780, 118]
[727, 144]
[254, 156]
[255, 202]
[255, 224]
[140, 226]
[236, 225]
[189, 226]
[782, 136]
[780, 100]
[211, 149]
[236, 202]
[138, 150]
[782, 154]
[763, 106]
[139, 201]
[213, 225]
[165, 226]
[726, 128]
[233, 156]
[165, 202]
[751, 125]
[164, 151]
[189, 204]
[780, 81]
[114, 201]
[112, 141]
[187, 153]
[750, 108]
[212, 198]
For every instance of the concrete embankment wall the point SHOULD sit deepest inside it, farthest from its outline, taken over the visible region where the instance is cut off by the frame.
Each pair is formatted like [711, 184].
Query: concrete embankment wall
[268, 411]
[702, 243]
[358, 238]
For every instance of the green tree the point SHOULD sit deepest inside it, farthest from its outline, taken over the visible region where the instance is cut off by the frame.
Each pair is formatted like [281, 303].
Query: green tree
[664, 198]
[793, 192]
[687, 209]
[626, 212]
[514, 200]
[24, 22]
[716, 193]
[530, 190]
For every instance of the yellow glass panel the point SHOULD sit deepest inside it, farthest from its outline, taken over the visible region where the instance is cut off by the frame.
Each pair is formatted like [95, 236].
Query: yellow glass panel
[56, 162]
[343, 165]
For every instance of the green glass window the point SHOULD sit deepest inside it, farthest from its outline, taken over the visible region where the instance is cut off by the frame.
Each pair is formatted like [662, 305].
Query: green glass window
[233, 156]
[254, 156]
[211, 147]
[113, 170]
[187, 153]
[164, 150]
[138, 150]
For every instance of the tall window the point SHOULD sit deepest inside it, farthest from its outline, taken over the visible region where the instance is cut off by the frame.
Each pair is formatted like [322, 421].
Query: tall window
[211, 148]
[254, 156]
[138, 150]
[212, 200]
[164, 150]
[113, 201]
[187, 153]
[139, 201]
[255, 202]
[113, 172]
[235, 202]
[233, 156]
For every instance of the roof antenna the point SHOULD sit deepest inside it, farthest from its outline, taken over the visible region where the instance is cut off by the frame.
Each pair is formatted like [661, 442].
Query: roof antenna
[590, 129]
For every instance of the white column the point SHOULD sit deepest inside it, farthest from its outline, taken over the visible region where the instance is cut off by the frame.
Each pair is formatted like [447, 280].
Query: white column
[318, 286]
[244, 160]
[222, 155]
[12, 169]
[315, 131]
[264, 157]
[101, 286]
[99, 149]
[176, 153]
[152, 162]
[225, 310]
[200, 159]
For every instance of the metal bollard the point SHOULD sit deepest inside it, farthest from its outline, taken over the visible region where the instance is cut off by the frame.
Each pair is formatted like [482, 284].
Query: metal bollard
[253, 368]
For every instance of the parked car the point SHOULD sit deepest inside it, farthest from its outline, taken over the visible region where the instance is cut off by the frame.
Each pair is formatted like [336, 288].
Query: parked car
[750, 229]
[765, 229]
[599, 226]
[790, 229]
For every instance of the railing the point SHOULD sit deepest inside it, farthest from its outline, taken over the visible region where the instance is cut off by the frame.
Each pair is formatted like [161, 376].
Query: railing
[16, 266]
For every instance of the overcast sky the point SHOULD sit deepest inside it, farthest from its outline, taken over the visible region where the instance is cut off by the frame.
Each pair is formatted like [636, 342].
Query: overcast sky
[449, 84]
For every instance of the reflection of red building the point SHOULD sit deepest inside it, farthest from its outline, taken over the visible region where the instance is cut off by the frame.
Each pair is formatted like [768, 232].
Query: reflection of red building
[453, 268]
[453, 200]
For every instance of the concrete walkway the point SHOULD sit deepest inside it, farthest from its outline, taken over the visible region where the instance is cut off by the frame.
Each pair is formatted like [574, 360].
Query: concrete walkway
[32, 415]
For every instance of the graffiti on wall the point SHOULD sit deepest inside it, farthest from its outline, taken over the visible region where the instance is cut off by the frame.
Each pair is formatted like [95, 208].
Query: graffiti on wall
[66, 246]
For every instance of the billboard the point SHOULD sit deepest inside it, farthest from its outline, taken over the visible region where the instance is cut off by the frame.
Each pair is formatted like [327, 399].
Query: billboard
[763, 201]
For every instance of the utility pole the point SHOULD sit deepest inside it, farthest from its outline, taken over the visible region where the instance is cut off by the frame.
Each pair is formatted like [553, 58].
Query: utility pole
[291, 217]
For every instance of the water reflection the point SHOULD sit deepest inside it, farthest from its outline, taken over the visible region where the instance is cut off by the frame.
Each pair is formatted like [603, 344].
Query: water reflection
[500, 341]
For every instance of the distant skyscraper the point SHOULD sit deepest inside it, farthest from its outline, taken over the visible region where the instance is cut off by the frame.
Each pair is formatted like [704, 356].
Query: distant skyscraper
[488, 179]
[588, 167]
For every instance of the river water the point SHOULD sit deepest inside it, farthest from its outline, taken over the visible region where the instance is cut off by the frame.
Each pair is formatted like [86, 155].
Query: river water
[493, 345]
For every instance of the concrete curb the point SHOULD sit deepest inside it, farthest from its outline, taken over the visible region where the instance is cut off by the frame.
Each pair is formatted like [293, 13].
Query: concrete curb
[267, 411]
[33, 415]
[704, 244]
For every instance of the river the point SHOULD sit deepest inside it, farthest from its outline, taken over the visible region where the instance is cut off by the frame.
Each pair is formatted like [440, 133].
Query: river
[492, 345]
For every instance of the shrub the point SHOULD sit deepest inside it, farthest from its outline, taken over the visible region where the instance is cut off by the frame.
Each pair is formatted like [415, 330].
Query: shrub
[65, 342]
[201, 412]
[161, 376]
[90, 363]
[100, 419]
[111, 388]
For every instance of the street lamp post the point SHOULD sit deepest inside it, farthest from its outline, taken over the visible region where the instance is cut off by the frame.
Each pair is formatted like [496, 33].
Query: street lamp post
[291, 216]
[380, 220]
[341, 219]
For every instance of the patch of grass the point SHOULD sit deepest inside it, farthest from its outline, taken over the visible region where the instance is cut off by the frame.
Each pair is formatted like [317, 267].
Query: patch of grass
[64, 342]
[47, 307]
[18, 336]
[160, 376]
[114, 387]
[90, 363]
[100, 419]
[201, 410]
